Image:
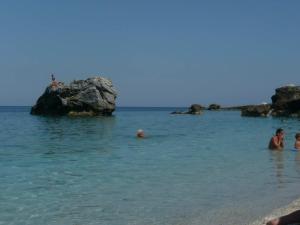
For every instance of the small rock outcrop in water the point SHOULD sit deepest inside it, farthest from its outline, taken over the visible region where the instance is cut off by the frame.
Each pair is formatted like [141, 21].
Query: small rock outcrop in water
[194, 109]
[257, 110]
[90, 97]
[214, 107]
[286, 101]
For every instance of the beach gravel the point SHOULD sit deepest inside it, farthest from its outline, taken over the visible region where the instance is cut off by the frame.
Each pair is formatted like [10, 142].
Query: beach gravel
[295, 205]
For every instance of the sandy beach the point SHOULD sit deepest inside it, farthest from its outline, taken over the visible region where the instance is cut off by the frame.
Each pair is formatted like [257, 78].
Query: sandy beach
[293, 206]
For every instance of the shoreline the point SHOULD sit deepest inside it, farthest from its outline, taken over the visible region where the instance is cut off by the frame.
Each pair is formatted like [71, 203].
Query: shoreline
[291, 207]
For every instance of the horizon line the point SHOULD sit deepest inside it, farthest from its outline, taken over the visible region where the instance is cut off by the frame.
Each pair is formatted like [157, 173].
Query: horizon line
[130, 106]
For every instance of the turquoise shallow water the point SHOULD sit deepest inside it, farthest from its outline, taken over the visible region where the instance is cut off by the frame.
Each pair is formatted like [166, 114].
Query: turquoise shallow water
[208, 170]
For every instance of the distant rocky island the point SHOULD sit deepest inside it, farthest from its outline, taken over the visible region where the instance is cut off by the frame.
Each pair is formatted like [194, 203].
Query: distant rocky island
[91, 97]
[285, 103]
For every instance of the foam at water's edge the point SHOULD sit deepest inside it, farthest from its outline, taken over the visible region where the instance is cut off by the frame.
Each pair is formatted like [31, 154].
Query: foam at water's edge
[293, 206]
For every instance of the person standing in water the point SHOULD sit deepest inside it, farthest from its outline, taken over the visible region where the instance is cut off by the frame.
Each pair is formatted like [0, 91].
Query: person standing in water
[297, 142]
[277, 141]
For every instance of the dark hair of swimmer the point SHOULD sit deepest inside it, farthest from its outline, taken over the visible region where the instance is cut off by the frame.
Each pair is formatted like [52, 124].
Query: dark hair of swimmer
[279, 130]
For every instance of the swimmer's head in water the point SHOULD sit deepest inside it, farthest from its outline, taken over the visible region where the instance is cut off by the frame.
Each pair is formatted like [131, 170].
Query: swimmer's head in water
[297, 136]
[140, 133]
[279, 131]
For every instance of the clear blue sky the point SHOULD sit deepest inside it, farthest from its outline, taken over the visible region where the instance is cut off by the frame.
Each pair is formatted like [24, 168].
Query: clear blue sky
[158, 53]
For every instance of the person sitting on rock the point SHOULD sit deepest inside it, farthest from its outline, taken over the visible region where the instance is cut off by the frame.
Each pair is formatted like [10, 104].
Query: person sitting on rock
[277, 141]
[54, 83]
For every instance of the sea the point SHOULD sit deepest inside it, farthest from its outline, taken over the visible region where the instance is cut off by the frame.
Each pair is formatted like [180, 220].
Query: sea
[211, 169]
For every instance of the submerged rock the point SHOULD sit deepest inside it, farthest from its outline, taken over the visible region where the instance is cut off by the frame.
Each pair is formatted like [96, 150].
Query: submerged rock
[179, 112]
[256, 110]
[286, 101]
[93, 96]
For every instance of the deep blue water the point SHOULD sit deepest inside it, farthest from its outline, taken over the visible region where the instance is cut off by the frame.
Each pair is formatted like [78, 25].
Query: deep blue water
[210, 169]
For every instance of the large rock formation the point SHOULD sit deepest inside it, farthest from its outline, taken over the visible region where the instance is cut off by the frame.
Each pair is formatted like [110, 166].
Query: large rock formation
[286, 101]
[93, 96]
[256, 110]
